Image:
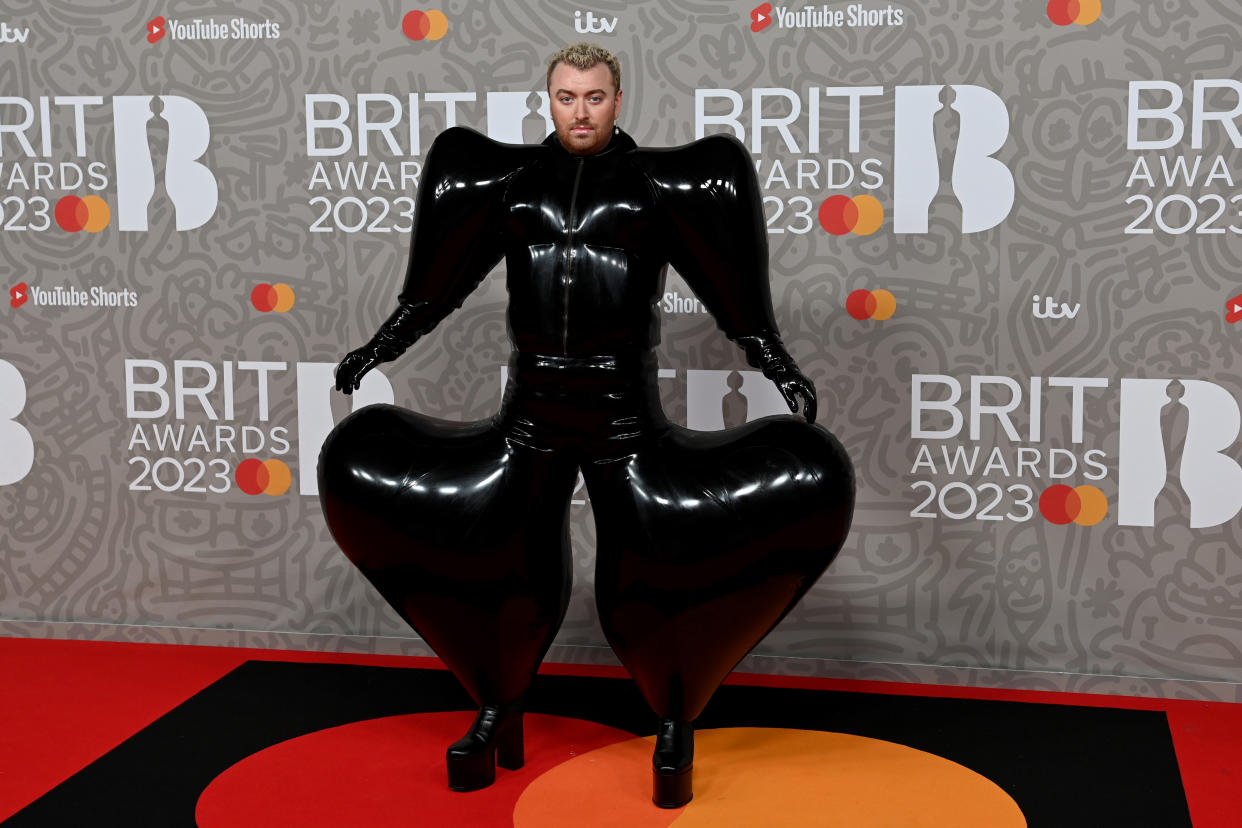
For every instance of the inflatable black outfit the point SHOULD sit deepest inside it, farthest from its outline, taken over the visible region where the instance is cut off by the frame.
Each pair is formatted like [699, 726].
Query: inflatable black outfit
[706, 539]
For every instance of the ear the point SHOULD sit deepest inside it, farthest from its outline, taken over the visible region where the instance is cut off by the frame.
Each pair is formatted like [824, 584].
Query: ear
[616, 107]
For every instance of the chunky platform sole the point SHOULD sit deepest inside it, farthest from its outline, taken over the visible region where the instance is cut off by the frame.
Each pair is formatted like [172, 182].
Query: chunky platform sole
[494, 739]
[672, 789]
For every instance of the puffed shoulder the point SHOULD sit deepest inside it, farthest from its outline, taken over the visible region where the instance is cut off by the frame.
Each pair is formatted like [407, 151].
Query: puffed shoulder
[716, 169]
[700, 162]
[463, 150]
[710, 202]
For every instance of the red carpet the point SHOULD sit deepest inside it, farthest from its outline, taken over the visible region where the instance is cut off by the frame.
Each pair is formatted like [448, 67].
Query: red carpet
[67, 703]
[64, 704]
[367, 774]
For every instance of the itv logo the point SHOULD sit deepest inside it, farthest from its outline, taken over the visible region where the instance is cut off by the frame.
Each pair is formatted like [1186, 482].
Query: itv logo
[13, 35]
[590, 24]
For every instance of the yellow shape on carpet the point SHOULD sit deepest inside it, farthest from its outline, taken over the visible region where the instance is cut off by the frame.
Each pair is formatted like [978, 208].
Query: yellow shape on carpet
[775, 777]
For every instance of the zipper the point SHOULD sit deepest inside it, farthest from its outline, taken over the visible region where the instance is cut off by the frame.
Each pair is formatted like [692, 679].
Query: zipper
[570, 256]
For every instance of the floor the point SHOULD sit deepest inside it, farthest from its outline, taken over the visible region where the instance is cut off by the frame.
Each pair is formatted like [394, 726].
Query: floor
[213, 737]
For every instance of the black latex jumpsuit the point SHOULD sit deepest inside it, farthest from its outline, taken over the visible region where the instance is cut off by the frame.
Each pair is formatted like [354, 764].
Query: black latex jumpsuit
[706, 539]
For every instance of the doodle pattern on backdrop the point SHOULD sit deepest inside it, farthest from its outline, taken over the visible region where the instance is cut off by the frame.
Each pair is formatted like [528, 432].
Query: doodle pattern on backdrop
[968, 203]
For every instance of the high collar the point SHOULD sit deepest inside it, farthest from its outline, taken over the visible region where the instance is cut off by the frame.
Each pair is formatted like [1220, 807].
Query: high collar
[620, 142]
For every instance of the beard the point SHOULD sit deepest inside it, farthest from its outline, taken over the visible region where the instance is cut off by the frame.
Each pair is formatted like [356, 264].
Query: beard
[593, 137]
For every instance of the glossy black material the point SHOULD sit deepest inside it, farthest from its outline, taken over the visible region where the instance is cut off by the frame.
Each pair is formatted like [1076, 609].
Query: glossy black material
[672, 764]
[494, 739]
[706, 539]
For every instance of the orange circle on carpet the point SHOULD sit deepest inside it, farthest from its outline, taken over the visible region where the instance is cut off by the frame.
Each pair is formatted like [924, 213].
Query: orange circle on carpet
[385, 773]
[774, 777]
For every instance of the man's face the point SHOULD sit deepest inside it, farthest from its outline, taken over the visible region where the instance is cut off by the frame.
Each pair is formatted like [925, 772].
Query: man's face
[585, 105]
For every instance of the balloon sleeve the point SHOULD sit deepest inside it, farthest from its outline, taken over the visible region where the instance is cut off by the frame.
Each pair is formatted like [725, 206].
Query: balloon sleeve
[458, 233]
[711, 208]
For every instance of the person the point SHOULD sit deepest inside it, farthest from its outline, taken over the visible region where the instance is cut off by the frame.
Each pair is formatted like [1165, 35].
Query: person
[706, 539]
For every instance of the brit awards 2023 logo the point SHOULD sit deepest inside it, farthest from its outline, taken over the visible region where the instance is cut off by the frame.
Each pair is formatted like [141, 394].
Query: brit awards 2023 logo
[983, 185]
[1184, 174]
[800, 177]
[208, 428]
[367, 149]
[45, 163]
[190, 185]
[983, 451]
[1209, 476]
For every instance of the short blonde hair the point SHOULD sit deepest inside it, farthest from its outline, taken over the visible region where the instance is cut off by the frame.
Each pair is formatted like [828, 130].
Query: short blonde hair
[583, 56]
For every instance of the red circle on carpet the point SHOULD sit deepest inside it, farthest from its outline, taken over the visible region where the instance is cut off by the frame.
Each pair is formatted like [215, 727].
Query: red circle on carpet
[385, 772]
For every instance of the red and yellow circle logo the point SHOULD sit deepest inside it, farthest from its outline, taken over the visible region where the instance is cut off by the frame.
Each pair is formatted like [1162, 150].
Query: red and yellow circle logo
[1084, 505]
[861, 215]
[90, 213]
[871, 304]
[271, 477]
[1065, 12]
[278, 297]
[428, 25]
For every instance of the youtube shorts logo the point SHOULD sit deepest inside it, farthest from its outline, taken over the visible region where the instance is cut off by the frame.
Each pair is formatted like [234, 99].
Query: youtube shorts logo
[761, 17]
[156, 28]
[18, 294]
[1233, 309]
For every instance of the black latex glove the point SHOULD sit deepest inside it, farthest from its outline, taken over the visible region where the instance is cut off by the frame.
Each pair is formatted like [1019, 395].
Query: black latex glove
[399, 332]
[353, 367]
[768, 354]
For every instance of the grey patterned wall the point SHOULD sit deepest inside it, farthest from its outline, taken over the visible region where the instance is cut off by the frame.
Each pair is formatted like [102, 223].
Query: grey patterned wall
[1008, 158]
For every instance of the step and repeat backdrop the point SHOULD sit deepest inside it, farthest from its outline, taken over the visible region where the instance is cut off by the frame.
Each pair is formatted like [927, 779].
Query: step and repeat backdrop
[1004, 245]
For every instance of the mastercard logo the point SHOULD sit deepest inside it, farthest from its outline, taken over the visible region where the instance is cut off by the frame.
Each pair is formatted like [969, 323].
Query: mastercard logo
[871, 304]
[90, 213]
[1065, 12]
[1084, 505]
[278, 297]
[861, 215]
[255, 477]
[425, 25]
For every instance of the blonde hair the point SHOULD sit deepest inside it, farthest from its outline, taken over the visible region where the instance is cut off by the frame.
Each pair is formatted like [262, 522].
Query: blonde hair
[583, 56]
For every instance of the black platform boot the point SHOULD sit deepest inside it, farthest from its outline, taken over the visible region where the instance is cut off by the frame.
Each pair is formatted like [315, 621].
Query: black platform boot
[672, 764]
[495, 738]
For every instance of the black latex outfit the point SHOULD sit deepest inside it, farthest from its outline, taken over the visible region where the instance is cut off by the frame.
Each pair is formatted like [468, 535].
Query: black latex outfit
[706, 539]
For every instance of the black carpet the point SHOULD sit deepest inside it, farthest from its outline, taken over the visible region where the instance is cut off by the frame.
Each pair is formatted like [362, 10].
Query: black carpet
[1065, 766]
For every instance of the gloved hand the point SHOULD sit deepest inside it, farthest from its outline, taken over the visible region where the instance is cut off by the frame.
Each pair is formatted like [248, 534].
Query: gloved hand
[399, 332]
[354, 366]
[768, 354]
